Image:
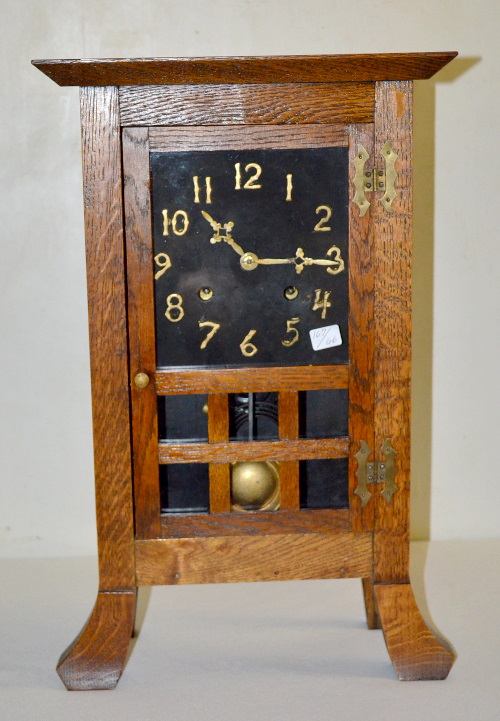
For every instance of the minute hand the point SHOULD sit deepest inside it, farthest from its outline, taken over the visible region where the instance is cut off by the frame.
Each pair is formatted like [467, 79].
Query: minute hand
[300, 261]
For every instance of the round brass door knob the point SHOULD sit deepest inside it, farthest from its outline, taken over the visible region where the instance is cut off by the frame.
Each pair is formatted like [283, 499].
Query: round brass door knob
[141, 380]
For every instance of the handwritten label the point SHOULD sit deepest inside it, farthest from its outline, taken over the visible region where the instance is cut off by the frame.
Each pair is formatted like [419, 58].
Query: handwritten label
[326, 337]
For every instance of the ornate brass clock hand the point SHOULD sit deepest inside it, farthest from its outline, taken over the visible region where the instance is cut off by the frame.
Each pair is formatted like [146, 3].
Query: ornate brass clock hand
[249, 261]
[227, 228]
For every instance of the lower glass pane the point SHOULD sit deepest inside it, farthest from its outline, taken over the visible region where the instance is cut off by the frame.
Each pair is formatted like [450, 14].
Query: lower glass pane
[184, 488]
[324, 483]
[183, 418]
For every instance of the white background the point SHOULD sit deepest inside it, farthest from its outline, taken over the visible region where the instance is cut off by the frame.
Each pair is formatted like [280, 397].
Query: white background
[46, 478]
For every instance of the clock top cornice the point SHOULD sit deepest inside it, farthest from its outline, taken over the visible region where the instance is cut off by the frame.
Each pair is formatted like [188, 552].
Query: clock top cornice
[262, 69]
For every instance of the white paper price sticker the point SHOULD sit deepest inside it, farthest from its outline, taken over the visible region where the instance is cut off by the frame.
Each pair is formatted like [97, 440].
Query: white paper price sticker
[326, 337]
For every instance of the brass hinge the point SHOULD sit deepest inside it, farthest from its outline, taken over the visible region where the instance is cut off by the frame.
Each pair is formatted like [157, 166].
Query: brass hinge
[375, 472]
[368, 180]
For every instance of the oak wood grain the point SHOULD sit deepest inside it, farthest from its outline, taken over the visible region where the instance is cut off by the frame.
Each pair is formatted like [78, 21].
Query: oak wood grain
[233, 559]
[361, 328]
[246, 104]
[393, 250]
[288, 429]
[372, 615]
[104, 241]
[243, 137]
[96, 658]
[142, 352]
[246, 380]
[417, 652]
[219, 473]
[252, 451]
[271, 69]
[255, 523]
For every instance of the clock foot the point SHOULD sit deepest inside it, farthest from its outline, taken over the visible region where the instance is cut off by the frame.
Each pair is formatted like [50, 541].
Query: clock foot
[372, 615]
[96, 658]
[417, 652]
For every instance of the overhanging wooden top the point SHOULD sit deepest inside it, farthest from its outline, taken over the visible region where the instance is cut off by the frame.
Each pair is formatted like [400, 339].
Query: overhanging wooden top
[272, 69]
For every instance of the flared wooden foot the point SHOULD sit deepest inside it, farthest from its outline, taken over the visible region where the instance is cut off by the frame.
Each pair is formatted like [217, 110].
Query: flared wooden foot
[96, 658]
[372, 616]
[416, 652]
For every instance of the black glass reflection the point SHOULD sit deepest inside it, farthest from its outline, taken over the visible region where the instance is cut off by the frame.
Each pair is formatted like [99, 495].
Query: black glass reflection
[253, 416]
[324, 483]
[323, 414]
[183, 418]
[184, 488]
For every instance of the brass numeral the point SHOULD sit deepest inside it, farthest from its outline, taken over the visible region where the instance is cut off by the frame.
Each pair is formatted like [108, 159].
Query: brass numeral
[214, 328]
[248, 349]
[197, 189]
[289, 186]
[294, 331]
[321, 224]
[251, 182]
[174, 306]
[337, 258]
[179, 222]
[321, 302]
[163, 261]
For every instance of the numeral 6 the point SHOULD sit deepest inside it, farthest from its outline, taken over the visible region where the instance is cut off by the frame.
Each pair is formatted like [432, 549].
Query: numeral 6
[248, 349]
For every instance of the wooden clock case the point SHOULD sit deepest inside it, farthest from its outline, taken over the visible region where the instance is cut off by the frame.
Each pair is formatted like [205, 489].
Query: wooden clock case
[128, 109]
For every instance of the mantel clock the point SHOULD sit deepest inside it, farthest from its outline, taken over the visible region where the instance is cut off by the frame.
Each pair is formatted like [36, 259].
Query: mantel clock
[248, 233]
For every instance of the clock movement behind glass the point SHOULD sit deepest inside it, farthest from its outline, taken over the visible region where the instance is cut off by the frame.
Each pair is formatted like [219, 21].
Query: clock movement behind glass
[248, 231]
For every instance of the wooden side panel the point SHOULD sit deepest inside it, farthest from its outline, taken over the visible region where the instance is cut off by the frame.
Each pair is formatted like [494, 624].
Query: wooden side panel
[247, 104]
[288, 427]
[256, 558]
[393, 331]
[108, 336]
[246, 380]
[141, 331]
[219, 473]
[242, 137]
[361, 329]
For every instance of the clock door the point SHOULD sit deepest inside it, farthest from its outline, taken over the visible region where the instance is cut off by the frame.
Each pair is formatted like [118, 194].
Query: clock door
[251, 349]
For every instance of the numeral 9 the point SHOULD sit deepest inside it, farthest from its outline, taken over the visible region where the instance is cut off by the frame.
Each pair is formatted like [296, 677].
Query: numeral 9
[163, 261]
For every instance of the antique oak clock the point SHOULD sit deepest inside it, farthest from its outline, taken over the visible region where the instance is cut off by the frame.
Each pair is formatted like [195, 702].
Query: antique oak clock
[248, 232]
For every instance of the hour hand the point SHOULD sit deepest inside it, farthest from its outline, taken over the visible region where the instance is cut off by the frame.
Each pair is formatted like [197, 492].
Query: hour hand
[226, 229]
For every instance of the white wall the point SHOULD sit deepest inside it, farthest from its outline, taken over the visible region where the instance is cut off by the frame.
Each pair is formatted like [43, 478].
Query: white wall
[46, 487]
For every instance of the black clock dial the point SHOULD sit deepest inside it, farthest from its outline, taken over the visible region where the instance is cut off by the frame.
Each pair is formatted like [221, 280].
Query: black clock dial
[251, 255]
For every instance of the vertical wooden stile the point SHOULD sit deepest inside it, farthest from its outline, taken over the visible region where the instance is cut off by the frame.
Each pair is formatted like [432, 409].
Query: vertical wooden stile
[103, 213]
[288, 429]
[141, 331]
[361, 329]
[219, 473]
[393, 233]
